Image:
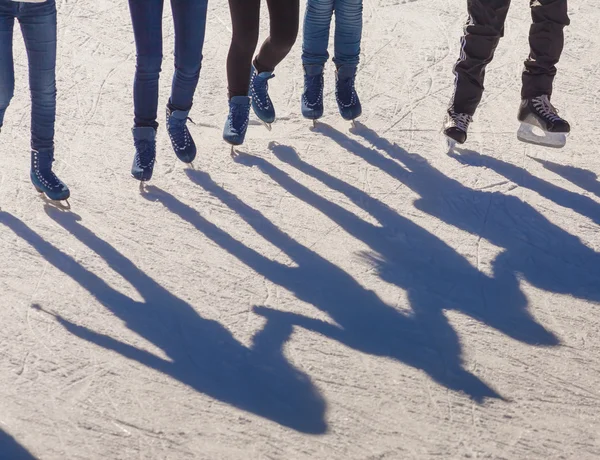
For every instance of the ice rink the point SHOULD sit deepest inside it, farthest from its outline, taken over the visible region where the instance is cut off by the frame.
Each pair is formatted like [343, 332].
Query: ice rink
[330, 293]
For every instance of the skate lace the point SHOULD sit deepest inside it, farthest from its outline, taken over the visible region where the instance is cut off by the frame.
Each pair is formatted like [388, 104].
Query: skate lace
[42, 167]
[346, 92]
[544, 108]
[52, 180]
[260, 90]
[313, 92]
[239, 115]
[145, 156]
[178, 131]
[461, 120]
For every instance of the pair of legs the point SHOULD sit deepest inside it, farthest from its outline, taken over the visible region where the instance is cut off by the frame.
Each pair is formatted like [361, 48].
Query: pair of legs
[248, 81]
[284, 18]
[38, 26]
[483, 31]
[189, 17]
[348, 32]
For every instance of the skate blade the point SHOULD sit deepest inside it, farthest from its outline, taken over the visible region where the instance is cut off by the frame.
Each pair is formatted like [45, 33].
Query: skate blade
[531, 134]
[267, 125]
[143, 186]
[450, 145]
[63, 205]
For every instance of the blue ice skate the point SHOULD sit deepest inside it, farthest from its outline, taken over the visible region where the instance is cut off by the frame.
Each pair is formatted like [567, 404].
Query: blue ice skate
[43, 178]
[144, 138]
[259, 93]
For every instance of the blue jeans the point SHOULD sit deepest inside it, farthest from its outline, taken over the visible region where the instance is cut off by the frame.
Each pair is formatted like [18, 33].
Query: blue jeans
[348, 31]
[38, 26]
[189, 17]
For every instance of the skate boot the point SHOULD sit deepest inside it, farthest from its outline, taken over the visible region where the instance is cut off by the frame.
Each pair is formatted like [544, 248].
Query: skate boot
[144, 138]
[456, 127]
[345, 93]
[312, 97]
[236, 124]
[181, 139]
[259, 92]
[43, 179]
[538, 114]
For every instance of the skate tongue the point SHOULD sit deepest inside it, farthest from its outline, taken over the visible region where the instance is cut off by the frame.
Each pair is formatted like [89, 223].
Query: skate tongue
[346, 71]
[180, 114]
[144, 133]
[240, 100]
[313, 70]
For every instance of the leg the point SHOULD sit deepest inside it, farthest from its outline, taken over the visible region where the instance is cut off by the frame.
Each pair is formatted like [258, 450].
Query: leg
[348, 32]
[546, 40]
[38, 24]
[284, 21]
[189, 17]
[482, 34]
[245, 16]
[317, 22]
[146, 17]
[7, 72]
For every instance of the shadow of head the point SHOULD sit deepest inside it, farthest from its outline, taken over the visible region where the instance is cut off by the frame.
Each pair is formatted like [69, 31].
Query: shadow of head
[284, 153]
[11, 449]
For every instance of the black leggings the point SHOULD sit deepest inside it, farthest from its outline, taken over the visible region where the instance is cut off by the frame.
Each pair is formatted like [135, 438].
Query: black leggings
[245, 16]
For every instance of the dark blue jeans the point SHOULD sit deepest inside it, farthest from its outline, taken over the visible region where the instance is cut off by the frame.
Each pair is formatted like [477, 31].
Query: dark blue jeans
[189, 17]
[348, 31]
[38, 26]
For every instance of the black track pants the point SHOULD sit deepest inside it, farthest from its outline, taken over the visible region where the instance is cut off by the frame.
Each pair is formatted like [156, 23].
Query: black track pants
[483, 31]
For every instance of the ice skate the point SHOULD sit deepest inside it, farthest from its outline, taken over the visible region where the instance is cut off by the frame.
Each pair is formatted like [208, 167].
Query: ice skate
[345, 93]
[311, 102]
[541, 124]
[180, 136]
[144, 138]
[43, 178]
[236, 124]
[259, 93]
[456, 127]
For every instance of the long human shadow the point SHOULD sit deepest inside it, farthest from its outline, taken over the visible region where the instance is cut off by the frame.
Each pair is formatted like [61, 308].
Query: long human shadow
[10, 449]
[579, 203]
[201, 353]
[435, 276]
[362, 320]
[583, 178]
[535, 249]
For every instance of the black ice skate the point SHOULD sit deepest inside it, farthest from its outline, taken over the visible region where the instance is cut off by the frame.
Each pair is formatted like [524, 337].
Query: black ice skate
[540, 123]
[456, 127]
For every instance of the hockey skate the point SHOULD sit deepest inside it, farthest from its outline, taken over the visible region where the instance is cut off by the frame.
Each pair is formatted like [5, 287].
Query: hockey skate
[456, 127]
[541, 124]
